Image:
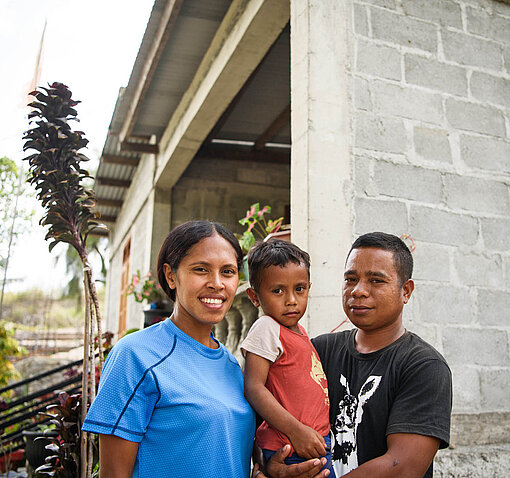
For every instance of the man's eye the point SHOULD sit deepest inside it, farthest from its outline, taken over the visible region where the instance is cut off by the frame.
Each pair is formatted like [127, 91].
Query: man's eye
[349, 279]
[300, 288]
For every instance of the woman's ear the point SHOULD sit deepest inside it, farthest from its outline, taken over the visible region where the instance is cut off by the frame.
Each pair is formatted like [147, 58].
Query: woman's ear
[253, 296]
[169, 276]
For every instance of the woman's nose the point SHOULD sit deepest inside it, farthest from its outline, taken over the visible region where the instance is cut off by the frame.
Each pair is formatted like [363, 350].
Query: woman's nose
[215, 281]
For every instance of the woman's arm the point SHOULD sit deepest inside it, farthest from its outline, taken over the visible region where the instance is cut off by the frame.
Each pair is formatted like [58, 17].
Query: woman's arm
[116, 457]
[307, 442]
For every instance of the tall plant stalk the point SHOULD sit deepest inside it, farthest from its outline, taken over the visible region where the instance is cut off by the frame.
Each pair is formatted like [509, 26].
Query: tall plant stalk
[57, 175]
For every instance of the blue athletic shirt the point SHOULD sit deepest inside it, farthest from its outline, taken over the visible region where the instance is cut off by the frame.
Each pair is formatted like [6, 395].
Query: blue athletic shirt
[180, 400]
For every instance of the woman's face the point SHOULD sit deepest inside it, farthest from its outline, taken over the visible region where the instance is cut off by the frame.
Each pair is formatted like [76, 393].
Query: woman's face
[205, 282]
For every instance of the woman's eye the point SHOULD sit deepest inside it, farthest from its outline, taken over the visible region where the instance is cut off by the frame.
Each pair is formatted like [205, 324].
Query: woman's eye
[199, 269]
[229, 271]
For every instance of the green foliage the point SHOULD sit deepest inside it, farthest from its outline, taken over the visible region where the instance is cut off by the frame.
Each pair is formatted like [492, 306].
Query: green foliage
[10, 187]
[9, 348]
[256, 224]
[55, 168]
[65, 416]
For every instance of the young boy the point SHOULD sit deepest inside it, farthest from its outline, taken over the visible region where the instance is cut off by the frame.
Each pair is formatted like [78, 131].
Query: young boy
[284, 380]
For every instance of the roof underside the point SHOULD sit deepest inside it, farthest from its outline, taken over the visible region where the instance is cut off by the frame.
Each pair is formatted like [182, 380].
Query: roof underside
[260, 112]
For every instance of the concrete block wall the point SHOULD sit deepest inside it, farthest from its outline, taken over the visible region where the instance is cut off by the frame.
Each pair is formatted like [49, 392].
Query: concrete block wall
[430, 112]
[223, 190]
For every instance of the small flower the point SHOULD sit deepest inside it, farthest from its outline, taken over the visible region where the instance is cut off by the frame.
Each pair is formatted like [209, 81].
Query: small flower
[135, 281]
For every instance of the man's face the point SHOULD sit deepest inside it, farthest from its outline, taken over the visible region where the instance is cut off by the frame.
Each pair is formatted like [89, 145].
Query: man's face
[373, 297]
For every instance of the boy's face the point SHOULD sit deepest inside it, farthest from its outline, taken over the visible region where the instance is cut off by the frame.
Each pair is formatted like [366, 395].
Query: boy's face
[283, 293]
[373, 297]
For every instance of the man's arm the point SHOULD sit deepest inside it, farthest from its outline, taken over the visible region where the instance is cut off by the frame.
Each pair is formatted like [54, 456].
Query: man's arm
[409, 455]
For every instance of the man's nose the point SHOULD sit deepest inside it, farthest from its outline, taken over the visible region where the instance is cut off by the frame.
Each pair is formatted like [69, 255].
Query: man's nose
[361, 289]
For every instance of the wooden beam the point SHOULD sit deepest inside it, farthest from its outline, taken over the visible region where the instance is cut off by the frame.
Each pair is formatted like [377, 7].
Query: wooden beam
[241, 153]
[119, 183]
[107, 218]
[117, 159]
[273, 129]
[139, 147]
[108, 202]
[99, 232]
[168, 17]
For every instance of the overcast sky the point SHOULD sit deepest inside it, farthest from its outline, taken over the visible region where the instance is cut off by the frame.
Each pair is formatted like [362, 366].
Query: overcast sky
[91, 46]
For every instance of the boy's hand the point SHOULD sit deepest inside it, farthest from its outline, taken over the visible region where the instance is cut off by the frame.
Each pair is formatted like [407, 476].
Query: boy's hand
[307, 442]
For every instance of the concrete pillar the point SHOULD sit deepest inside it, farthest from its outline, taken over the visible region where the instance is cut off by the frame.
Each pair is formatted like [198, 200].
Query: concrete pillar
[321, 214]
[159, 217]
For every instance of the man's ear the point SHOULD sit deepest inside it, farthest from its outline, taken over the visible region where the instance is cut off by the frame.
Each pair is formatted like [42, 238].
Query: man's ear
[253, 296]
[169, 276]
[407, 290]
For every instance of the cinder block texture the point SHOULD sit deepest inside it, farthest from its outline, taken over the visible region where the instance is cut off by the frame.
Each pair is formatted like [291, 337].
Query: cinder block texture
[475, 117]
[443, 12]
[403, 30]
[431, 263]
[496, 234]
[485, 153]
[380, 133]
[432, 144]
[482, 23]
[490, 89]
[494, 388]
[375, 215]
[378, 60]
[479, 270]
[463, 346]
[476, 194]
[471, 51]
[466, 393]
[402, 181]
[432, 74]
[444, 304]
[394, 100]
[442, 227]
[493, 306]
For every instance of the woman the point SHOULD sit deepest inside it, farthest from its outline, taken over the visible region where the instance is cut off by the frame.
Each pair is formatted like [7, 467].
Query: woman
[170, 400]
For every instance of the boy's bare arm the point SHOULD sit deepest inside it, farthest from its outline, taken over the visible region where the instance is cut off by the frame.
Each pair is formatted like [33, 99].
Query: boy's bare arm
[307, 442]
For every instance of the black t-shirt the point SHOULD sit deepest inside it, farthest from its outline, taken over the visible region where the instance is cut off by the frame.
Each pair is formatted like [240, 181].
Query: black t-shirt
[405, 387]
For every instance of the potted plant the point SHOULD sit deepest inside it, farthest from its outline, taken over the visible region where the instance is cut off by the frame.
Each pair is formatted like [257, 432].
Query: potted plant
[146, 289]
[258, 227]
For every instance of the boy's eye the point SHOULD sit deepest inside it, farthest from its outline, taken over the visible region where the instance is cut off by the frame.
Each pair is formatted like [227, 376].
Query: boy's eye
[277, 291]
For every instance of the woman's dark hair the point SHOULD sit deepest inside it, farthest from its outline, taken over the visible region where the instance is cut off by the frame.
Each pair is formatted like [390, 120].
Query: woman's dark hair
[274, 252]
[182, 238]
[388, 242]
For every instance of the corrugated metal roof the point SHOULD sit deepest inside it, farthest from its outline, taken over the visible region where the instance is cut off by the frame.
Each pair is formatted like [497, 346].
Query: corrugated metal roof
[266, 96]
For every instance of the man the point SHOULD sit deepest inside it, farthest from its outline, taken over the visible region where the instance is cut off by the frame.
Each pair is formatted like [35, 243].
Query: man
[390, 391]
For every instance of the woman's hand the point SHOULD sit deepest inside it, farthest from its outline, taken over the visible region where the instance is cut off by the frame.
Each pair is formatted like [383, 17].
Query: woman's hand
[277, 468]
[307, 442]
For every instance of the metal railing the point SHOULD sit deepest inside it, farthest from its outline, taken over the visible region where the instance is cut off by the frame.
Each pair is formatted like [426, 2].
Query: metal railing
[22, 412]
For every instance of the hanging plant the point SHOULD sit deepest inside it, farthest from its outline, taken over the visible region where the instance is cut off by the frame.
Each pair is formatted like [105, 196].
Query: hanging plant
[58, 177]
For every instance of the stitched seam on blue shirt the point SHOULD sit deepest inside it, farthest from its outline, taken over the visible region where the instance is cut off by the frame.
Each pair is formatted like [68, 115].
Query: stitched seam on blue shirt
[140, 381]
[107, 425]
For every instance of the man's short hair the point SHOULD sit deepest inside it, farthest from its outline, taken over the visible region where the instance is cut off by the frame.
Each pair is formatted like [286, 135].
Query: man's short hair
[388, 242]
[274, 252]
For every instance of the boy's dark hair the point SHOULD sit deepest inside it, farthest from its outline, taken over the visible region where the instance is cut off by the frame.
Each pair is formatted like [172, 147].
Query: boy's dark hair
[388, 242]
[182, 238]
[274, 252]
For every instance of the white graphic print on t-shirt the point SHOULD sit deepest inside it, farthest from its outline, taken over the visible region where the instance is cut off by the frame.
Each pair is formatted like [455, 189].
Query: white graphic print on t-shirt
[345, 457]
